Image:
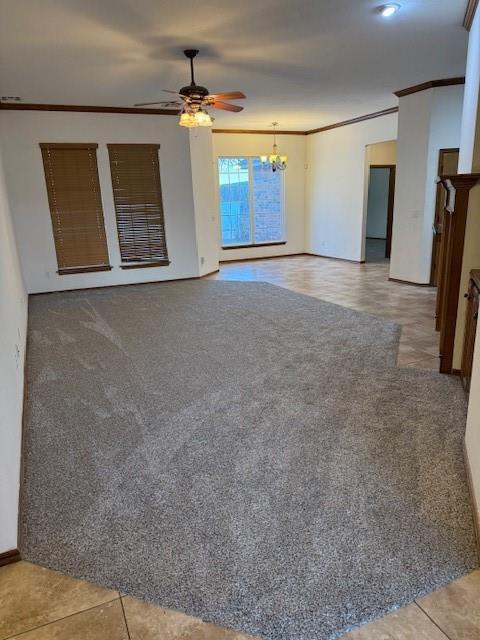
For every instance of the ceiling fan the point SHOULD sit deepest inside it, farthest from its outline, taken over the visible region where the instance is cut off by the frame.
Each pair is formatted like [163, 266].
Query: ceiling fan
[193, 99]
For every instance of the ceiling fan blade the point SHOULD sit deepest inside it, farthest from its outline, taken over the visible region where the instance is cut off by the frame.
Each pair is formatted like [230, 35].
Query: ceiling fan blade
[218, 104]
[164, 102]
[175, 92]
[230, 95]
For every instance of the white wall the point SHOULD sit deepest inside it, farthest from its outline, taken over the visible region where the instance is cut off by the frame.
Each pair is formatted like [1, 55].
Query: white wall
[377, 207]
[428, 121]
[205, 201]
[20, 134]
[470, 118]
[336, 186]
[13, 329]
[469, 162]
[227, 144]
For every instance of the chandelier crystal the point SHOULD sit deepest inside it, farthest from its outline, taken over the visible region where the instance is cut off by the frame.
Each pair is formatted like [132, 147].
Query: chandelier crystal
[274, 160]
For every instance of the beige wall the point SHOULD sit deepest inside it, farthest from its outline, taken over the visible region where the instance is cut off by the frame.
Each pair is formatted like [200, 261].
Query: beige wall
[381, 153]
[469, 162]
[472, 259]
[237, 144]
[13, 329]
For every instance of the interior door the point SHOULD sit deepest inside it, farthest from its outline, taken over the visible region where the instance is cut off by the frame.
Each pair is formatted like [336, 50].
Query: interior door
[447, 165]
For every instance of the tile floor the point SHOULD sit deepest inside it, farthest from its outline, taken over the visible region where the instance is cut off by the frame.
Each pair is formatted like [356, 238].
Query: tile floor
[375, 250]
[364, 287]
[39, 604]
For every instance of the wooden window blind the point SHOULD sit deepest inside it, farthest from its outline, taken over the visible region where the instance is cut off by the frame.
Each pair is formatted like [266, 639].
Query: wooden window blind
[73, 188]
[137, 195]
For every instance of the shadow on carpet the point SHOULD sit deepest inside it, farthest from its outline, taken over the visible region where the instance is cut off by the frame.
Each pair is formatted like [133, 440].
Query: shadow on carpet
[242, 453]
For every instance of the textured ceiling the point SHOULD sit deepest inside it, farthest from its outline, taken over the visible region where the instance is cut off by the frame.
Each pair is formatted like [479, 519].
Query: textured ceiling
[305, 63]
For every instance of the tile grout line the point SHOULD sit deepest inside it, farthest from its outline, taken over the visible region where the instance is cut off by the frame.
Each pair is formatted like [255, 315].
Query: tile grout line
[70, 615]
[432, 621]
[125, 618]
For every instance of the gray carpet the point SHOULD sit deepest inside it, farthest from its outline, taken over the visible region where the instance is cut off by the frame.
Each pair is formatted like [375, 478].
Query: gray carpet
[242, 453]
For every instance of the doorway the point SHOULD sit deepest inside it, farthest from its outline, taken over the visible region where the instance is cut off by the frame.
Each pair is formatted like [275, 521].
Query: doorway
[447, 165]
[381, 193]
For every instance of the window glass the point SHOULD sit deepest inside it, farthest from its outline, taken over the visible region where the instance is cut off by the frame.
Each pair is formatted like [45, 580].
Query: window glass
[267, 203]
[251, 202]
[234, 200]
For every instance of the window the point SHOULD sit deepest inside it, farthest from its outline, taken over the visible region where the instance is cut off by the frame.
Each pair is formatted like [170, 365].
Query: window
[251, 203]
[71, 176]
[137, 195]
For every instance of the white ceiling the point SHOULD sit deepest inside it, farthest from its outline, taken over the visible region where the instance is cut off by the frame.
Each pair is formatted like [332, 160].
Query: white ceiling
[305, 63]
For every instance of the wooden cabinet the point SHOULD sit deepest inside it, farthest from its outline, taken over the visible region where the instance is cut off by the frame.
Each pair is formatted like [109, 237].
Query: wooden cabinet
[473, 299]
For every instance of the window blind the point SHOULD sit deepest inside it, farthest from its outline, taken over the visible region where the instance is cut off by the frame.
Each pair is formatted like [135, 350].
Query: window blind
[71, 176]
[137, 195]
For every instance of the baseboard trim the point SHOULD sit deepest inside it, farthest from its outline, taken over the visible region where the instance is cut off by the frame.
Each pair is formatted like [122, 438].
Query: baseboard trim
[413, 284]
[283, 255]
[9, 557]
[319, 255]
[123, 284]
[206, 274]
[456, 372]
[473, 501]
[293, 255]
[23, 440]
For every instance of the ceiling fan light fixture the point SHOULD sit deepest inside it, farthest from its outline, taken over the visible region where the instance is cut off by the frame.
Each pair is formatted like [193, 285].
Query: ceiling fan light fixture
[191, 119]
[187, 120]
[203, 119]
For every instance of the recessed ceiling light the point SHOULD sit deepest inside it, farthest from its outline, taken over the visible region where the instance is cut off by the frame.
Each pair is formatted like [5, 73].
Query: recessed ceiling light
[387, 10]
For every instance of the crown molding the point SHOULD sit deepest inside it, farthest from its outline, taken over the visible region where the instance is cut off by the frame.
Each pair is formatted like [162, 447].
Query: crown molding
[75, 108]
[432, 84]
[261, 132]
[472, 7]
[344, 123]
[24, 106]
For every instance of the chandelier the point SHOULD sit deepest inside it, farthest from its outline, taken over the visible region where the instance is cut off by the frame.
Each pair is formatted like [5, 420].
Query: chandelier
[274, 160]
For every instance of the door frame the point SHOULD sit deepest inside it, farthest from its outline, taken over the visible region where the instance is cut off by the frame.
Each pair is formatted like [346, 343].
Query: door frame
[391, 202]
[440, 194]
